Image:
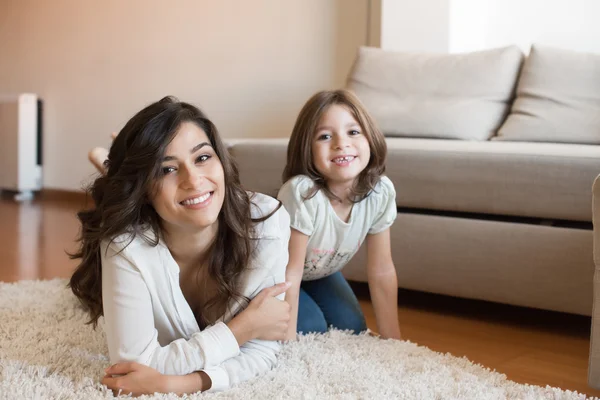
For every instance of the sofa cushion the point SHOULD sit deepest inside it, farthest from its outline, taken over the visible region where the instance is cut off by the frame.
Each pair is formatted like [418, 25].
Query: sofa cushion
[261, 163]
[542, 180]
[452, 96]
[558, 99]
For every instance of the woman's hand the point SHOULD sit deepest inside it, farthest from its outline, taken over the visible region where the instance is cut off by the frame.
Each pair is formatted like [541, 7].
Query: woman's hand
[136, 379]
[139, 379]
[272, 315]
[265, 318]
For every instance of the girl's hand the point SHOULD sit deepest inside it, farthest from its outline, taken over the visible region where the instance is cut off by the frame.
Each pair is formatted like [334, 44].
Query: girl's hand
[136, 379]
[265, 318]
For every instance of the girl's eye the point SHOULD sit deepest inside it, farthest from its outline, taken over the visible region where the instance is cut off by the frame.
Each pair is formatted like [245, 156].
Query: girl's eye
[354, 132]
[324, 136]
[167, 170]
[203, 158]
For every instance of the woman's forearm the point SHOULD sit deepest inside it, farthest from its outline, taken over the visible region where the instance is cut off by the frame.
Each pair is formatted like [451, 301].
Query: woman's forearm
[384, 295]
[241, 327]
[186, 384]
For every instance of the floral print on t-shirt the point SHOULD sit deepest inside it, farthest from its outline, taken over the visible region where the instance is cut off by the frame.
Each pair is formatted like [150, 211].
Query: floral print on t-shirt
[325, 262]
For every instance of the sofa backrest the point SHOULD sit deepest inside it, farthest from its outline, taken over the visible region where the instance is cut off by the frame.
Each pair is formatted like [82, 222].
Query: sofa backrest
[558, 99]
[452, 96]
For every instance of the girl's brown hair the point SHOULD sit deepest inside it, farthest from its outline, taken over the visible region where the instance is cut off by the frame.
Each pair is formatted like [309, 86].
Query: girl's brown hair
[299, 152]
[122, 206]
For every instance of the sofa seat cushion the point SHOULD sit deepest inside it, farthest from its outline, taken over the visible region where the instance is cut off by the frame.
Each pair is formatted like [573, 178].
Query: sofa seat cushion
[522, 179]
[540, 180]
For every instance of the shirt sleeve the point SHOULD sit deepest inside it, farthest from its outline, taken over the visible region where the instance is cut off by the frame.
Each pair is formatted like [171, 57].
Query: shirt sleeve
[257, 356]
[387, 209]
[130, 330]
[293, 195]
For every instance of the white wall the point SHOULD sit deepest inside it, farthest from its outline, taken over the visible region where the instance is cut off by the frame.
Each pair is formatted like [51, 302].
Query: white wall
[410, 25]
[249, 64]
[467, 27]
[454, 26]
[480, 24]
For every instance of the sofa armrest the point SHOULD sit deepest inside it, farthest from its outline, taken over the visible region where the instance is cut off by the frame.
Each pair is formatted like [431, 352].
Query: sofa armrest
[594, 362]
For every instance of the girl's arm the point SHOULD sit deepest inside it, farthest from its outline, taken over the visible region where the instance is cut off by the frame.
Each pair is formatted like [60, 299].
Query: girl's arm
[383, 284]
[293, 274]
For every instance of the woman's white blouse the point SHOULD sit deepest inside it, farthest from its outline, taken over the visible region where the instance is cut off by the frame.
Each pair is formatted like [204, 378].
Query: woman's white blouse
[148, 320]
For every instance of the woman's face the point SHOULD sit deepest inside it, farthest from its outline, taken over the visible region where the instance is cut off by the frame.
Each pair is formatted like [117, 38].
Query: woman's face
[190, 192]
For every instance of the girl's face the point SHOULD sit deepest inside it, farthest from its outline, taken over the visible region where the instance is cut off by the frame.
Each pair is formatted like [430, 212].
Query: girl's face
[191, 190]
[340, 149]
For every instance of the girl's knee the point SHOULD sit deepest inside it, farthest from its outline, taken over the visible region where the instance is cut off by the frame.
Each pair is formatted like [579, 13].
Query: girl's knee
[354, 322]
[357, 325]
[312, 325]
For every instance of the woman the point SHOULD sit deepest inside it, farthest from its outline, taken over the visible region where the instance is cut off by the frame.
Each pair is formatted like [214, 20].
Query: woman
[173, 252]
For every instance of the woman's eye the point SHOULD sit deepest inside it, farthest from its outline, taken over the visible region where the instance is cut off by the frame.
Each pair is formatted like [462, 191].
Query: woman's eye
[167, 170]
[324, 137]
[354, 132]
[203, 158]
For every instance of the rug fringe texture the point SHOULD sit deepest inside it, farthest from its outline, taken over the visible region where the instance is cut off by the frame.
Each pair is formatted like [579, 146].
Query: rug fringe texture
[48, 352]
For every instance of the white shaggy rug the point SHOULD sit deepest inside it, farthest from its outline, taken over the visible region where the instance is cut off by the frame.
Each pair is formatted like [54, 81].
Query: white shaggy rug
[47, 352]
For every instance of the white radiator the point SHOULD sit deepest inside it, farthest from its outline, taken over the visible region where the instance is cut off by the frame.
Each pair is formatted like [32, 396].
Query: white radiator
[20, 144]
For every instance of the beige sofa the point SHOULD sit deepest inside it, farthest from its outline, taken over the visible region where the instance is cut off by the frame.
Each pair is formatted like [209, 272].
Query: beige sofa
[493, 155]
[493, 192]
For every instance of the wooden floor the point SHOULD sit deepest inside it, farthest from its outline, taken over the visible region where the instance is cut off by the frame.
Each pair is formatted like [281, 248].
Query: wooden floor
[529, 346]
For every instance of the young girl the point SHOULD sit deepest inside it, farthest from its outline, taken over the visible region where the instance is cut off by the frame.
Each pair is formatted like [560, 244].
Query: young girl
[183, 264]
[337, 196]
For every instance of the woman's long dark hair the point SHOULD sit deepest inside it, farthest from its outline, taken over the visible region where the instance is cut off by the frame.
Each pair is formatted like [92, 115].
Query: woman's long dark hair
[122, 205]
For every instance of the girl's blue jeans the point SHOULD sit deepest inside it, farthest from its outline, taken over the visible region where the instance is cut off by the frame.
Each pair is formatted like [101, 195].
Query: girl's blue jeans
[329, 302]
